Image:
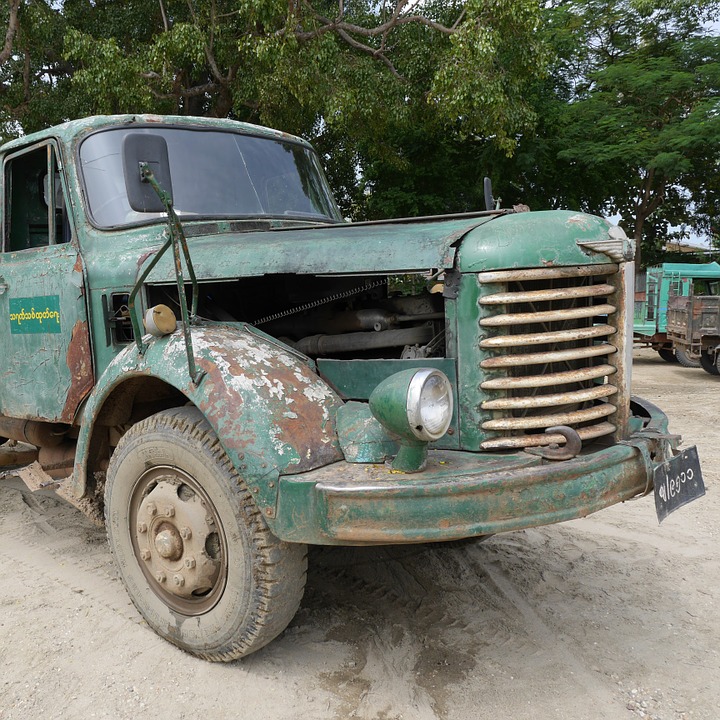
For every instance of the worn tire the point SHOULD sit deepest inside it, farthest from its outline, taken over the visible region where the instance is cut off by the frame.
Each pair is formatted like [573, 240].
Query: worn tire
[193, 550]
[708, 362]
[686, 358]
[667, 354]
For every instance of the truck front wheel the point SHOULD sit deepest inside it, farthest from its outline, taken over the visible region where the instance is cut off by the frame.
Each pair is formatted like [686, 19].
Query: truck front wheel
[687, 358]
[708, 362]
[667, 354]
[193, 550]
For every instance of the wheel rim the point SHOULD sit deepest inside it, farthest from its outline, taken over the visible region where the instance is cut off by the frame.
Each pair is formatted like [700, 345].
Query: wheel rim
[178, 540]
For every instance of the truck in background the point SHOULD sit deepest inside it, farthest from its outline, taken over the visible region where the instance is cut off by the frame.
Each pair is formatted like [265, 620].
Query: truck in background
[693, 323]
[651, 313]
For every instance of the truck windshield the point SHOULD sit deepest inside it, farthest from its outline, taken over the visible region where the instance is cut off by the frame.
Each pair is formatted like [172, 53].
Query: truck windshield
[215, 174]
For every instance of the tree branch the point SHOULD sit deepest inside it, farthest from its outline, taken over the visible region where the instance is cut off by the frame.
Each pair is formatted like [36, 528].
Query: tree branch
[369, 50]
[331, 25]
[166, 23]
[395, 20]
[11, 31]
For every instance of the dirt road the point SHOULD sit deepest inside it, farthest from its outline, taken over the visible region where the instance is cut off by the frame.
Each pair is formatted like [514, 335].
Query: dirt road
[609, 618]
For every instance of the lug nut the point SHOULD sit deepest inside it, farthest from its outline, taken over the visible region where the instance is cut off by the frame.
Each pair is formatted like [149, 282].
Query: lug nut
[169, 511]
[142, 527]
[152, 509]
[161, 577]
[179, 580]
[190, 563]
[186, 533]
[145, 554]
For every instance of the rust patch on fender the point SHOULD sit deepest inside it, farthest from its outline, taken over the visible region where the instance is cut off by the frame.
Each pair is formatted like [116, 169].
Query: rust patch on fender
[285, 405]
[79, 362]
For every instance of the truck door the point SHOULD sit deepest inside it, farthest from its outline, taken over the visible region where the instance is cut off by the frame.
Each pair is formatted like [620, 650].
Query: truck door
[45, 360]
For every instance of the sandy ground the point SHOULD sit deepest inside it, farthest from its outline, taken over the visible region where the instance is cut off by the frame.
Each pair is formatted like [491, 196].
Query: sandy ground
[608, 618]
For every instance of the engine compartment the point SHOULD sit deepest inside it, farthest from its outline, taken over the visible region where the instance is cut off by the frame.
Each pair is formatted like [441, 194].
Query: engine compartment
[379, 316]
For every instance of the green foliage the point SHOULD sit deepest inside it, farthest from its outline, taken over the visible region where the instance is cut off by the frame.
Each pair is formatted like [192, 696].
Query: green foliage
[629, 119]
[610, 106]
[109, 81]
[350, 76]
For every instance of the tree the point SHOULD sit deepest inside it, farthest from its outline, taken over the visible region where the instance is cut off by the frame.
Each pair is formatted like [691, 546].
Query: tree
[655, 125]
[353, 77]
[33, 72]
[629, 118]
[350, 76]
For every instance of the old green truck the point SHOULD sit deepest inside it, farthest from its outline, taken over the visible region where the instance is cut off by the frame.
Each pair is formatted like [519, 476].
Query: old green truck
[198, 351]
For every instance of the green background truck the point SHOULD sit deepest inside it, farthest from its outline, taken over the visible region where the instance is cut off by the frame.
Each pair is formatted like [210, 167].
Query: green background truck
[299, 379]
[651, 314]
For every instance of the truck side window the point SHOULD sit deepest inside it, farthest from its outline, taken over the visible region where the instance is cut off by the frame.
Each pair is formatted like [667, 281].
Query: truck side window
[30, 221]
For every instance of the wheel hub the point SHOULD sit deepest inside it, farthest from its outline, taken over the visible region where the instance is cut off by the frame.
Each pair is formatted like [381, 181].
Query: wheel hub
[169, 544]
[176, 540]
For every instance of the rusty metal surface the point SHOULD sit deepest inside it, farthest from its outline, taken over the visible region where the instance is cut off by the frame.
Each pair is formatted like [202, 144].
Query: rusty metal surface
[549, 316]
[548, 379]
[270, 410]
[320, 345]
[548, 357]
[58, 461]
[623, 293]
[538, 401]
[556, 336]
[535, 421]
[571, 293]
[79, 362]
[463, 494]
[503, 276]
[589, 432]
[31, 431]
[692, 318]
[559, 385]
[554, 451]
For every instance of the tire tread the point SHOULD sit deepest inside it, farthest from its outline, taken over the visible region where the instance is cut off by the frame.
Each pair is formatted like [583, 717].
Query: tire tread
[280, 571]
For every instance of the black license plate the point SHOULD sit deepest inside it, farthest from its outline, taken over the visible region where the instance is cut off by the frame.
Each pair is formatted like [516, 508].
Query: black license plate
[678, 482]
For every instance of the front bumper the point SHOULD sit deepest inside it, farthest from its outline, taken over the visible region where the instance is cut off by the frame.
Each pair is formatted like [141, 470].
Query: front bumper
[463, 494]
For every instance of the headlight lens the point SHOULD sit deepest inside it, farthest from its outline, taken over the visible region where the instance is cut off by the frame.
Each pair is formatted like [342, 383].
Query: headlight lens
[429, 404]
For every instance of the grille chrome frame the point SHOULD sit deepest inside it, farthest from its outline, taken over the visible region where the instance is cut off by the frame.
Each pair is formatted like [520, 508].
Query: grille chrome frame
[551, 352]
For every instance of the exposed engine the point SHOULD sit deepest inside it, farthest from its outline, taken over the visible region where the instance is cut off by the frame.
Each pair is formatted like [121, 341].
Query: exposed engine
[366, 317]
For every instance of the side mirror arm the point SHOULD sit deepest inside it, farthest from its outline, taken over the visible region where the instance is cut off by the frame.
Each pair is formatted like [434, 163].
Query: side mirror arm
[178, 242]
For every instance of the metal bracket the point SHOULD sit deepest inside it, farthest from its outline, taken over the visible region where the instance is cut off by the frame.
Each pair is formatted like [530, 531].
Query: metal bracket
[660, 448]
[176, 240]
[451, 284]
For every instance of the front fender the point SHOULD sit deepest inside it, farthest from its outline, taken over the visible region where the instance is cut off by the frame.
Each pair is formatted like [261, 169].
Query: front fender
[271, 412]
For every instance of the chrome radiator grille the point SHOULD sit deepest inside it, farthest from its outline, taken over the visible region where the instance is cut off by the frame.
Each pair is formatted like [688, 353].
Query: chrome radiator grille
[548, 353]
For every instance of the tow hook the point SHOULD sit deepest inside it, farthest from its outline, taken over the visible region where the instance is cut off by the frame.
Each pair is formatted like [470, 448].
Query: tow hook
[571, 448]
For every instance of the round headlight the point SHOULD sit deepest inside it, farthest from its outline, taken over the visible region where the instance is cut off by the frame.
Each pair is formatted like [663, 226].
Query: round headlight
[429, 404]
